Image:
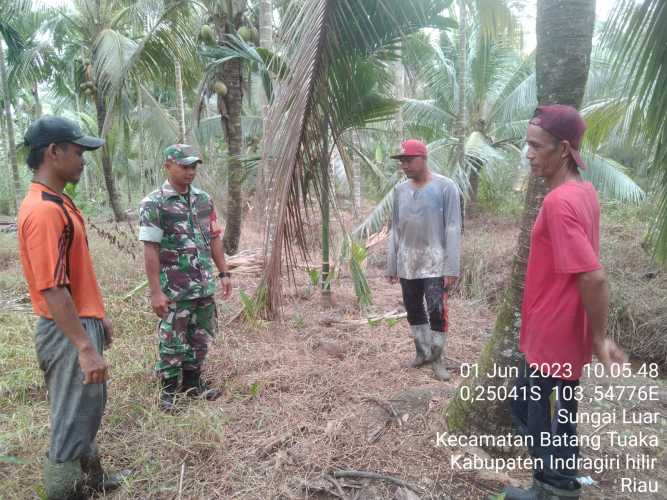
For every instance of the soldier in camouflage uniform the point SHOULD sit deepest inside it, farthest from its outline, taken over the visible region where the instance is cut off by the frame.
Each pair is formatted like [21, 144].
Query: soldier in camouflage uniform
[178, 225]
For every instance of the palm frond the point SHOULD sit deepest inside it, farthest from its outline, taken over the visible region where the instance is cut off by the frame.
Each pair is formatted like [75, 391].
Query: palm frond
[639, 29]
[356, 254]
[519, 94]
[610, 179]
[234, 47]
[608, 120]
[426, 113]
[116, 52]
[158, 123]
[11, 11]
[496, 21]
[372, 166]
[378, 217]
[289, 115]
[478, 148]
[327, 39]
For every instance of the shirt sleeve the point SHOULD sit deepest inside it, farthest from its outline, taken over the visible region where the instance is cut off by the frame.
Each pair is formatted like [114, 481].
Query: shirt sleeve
[392, 245]
[216, 230]
[452, 221]
[149, 221]
[572, 249]
[46, 241]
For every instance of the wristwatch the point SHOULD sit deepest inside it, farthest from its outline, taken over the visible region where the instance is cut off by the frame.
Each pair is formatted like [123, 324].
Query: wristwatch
[225, 274]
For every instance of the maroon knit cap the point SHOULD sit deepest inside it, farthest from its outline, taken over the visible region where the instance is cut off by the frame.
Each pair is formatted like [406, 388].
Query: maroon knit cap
[564, 123]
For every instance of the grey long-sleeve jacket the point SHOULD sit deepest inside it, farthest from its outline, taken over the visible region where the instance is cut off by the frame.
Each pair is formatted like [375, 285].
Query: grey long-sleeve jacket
[425, 239]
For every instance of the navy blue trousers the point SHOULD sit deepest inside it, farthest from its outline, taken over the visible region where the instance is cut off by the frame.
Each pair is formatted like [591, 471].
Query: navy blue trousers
[551, 414]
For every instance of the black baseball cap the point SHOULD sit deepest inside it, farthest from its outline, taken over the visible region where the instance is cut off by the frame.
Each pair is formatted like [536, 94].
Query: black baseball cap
[50, 129]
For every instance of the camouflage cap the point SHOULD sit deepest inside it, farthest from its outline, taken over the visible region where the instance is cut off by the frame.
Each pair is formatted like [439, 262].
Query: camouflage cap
[182, 154]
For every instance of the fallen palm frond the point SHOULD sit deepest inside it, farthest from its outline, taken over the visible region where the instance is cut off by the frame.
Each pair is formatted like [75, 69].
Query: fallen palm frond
[389, 317]
[246, 263]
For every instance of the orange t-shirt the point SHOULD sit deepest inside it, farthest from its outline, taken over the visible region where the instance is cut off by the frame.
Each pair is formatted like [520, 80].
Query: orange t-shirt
[54, 251]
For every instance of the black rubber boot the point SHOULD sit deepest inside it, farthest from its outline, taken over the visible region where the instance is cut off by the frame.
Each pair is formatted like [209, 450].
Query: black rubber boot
[422, 338]
[512, 493]
[542, 491]
[168, 389]
[549, 492]
[195, 387]
[99, 481]
[439, 370]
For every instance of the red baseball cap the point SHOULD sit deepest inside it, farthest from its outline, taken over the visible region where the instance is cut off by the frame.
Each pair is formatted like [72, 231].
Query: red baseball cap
[411, 147]
[564, 123]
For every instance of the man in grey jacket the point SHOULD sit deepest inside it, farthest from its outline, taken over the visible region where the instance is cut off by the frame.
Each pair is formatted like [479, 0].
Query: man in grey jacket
[424, 251]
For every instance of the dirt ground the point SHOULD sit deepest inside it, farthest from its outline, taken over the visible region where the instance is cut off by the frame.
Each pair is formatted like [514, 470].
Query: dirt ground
[304, 399]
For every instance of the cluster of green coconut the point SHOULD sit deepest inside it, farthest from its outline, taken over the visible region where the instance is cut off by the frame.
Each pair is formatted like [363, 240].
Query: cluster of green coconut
[88, 88]
[247, 33]
[82, 61]
[220, 88]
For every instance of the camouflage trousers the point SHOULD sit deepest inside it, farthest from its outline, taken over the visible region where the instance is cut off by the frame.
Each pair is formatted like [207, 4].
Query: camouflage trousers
[184, 336]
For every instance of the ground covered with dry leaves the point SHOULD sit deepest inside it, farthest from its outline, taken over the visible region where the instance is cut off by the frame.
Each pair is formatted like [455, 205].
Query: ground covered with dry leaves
[306, 399]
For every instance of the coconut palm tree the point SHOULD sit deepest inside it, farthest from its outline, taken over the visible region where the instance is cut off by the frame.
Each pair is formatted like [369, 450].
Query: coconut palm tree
[9, 121]
[118, 42]
[564, 42]
[10, 12]
[227, 81]
[500, 98]
[29, 60]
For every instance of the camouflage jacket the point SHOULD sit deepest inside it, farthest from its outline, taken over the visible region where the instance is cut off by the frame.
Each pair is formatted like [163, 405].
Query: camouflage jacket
[184, 227]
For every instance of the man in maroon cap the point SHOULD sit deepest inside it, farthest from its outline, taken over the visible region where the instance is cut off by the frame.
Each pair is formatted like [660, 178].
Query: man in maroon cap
[424, 251]
[565, 304]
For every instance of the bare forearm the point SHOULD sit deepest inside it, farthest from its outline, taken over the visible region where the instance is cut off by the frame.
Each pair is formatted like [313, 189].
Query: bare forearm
[594, 293]
[218, 254]
[152, 265]
[64, 313]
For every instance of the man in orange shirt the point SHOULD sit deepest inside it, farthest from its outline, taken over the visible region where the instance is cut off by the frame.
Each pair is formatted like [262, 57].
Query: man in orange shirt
[72, 328]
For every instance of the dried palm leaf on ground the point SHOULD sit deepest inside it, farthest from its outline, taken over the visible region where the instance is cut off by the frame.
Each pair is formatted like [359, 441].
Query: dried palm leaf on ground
[389, 317]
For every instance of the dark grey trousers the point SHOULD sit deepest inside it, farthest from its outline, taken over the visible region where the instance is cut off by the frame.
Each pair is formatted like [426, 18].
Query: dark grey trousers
[76, 409]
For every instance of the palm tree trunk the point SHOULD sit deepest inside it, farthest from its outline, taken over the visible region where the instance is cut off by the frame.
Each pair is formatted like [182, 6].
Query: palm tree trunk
[564, 38]
[142, 163]
[86, 178]
[473, 179]
[180, 106]
[461, 82]
[37, 110]
[11, 144]
[6, 204]
[400, 94]
[229, 107]
[356, 177]
[266, 42]
[266, 24]
[230, 112]
[127, 153]
[107, 166]
[326, 215]
[129, 185]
